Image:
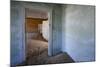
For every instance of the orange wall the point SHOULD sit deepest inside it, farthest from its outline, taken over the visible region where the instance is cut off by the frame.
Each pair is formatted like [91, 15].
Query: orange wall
[32, 24]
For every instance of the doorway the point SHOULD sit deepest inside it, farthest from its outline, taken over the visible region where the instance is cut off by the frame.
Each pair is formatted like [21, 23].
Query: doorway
[36, 35]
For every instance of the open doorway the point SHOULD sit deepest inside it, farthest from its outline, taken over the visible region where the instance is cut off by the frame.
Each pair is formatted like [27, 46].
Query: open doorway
[36, 35]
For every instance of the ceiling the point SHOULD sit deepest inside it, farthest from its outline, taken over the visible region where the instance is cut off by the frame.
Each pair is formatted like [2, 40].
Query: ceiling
[33, 13]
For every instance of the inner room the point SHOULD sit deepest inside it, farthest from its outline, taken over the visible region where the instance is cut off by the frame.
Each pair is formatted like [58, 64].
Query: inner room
[37, 34]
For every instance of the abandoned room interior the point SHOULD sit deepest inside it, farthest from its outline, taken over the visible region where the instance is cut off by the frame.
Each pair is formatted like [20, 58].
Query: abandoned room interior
[49, 33]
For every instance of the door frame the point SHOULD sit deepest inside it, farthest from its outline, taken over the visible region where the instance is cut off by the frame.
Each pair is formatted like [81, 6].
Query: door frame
[49, 10]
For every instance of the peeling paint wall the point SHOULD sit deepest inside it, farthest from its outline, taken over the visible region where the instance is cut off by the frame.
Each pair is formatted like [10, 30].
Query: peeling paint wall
[78, 28]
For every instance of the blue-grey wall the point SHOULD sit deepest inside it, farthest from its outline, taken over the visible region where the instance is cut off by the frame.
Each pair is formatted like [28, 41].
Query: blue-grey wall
[72, 30]
[18, 29]
[17, 34]
[57, 29]
[78, 27]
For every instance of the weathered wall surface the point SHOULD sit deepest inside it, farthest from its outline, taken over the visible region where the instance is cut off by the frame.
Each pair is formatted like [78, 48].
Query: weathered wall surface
[31, 27]
[17, 34]
[57, 29]
[78, 27]
[32, 24]
[18, 29]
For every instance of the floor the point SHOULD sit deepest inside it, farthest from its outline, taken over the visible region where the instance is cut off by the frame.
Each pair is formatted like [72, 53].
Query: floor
[37, 54]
